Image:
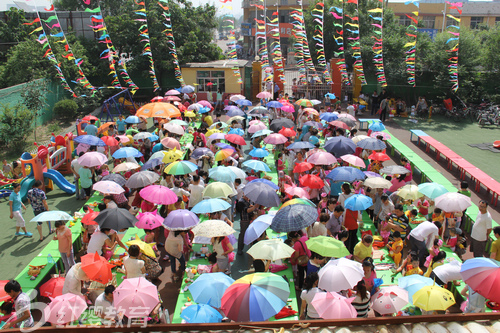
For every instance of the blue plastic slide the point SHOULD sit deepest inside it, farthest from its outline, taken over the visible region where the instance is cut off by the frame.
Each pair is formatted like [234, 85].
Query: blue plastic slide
[26, 185]
[60, 181]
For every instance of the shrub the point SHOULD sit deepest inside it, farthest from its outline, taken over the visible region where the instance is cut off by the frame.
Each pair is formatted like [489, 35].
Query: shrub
[15, 125]
[66, 108]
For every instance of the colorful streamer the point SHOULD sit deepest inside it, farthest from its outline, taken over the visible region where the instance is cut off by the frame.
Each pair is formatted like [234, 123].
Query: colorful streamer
[454, 31]
[276, 45]
[318, 13]
[354, 42]
[301, 36]
[411, 31]
[233, 54]
[144, 33]
[171, 41]
[261, 40]
[338, 36]
[297, 32]
[377, 47]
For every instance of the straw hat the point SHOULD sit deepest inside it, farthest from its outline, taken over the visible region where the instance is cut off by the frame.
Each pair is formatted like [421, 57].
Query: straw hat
[79, 273]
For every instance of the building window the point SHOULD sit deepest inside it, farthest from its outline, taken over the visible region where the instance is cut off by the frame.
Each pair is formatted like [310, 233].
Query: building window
[428, 22]
[450, 21]
[214, 77]
[404, 20]
[497, 19]
[475, 21]
[283, 2]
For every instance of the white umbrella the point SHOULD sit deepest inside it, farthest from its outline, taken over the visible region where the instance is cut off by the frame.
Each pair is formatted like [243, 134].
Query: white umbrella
[389, 300]
[213, 228]
[158, 154]
[108, 186]
[174, 128]
[353, 160]
[142, 136]
[315, 101]
[92, 159]
[195, 107]
[340, 274]
[126, 166]
[238, 172]
[172, 92]
[377, 182]
[52, 215]
[234, 98]
[409, 192]
[270, 249]
[453, 202]
[142, 179]
[358, 138]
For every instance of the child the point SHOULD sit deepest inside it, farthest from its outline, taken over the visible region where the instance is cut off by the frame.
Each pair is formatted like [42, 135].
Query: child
[385, 229]
[434, 251]
[395, 248]
[453, 240]
[413, 268]
[7, 311]
[279, 163]
[65, 244]
[438, 215]
[322, 204]
[105, 170]
[437, 260]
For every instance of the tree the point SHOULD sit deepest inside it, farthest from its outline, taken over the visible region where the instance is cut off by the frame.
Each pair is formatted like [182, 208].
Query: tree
[15, 125]
[12, 30]
[34, 98]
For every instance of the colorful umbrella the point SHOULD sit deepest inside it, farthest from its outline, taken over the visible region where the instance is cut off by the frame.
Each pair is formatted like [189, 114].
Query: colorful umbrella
[274, 104]
[146, 248]
[358, 202]
[453, 202]
[201, 314]
[210, 206]
[97, 268]
[384, 135]
[258, 152]
[264, 94]
[377, 182]
[159, 110]
[180, 219]
[302, 167]
[262, 194]
[328, 116]
[236, 139]
[275, 139]
[255, 297]
[256, 165]
[217, 190]
[433, 298]
[137, 297]
[379, 157]
[414, 283]
[339, 124]
[372, 174]
[409, 192]
[180, 168]
[322, 158]
[108, 187]
[270, 249]
[263, 132]
[288, 108]
[170, 143]
[126, 152]
[257, 228]
[389, 300]
[92, 159]
[294, 217]
[340, 145]
[149, 220]
[126, 166]
[64, 309]
[200, 152]
[244, 102]
[311, 181]
[213, 228]
[237, 131]
[287, 132]
[297, 191]
[157, 194]
[222, 154]
[333, 306]
[327, 247]
[304, 102]
[172, 99]
[372, 144]
[483, 276]
[432, 190]
[353, 160]
[340, 274]
[301, 201]
[52, 215]
[51, 288]
[346, 174]
[142, 179]
[172, 156]
[158, 154]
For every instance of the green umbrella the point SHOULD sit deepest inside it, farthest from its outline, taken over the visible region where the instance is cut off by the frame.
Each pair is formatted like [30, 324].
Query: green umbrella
[180, 168]
[327, 247]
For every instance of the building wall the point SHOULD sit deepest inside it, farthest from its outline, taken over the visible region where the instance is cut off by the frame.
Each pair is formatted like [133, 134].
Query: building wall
[232, 85]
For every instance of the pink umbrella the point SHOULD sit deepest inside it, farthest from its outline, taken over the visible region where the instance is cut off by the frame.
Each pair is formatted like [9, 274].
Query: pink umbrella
[256, 121]
[92, 159]
[390, 300]
[82, 147]
[65, 309]
[288, 108]
[264, 94]
[171, 143]
[234, 98]
[275, 139]
[256, 127]
[157, 99]
[135, 297]
[353, 160]
[385, 136]
[205, 103]
[322, 158]
[158, 194]
[123, 138]
[149, 220]
[331, 305]
[298, 191]
[108, 187]
[172, 98]
[172, 92]
[347, 115]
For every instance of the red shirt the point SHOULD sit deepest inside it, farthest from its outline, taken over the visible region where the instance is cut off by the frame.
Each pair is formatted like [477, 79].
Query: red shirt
[351, 219]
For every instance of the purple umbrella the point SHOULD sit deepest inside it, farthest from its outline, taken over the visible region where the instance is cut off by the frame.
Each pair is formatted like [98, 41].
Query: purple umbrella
[224, 145]
[262, 194]
[181, 219]
[199, 152]
[265, 181]
[372, 174]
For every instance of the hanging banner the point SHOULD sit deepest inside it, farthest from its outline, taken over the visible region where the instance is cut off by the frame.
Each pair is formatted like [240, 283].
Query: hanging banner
[354, 43]
[377, 14]
[297, 32]
[276, 45]
[318, 13]
[261, 40]
[453, 41]
[228, 23]
[411, 45]
[144, 33]
[338, 36]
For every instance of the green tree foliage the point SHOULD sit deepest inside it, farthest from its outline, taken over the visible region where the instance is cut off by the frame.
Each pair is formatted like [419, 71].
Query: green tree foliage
[66, 108]
[12, 30]
[16, 123]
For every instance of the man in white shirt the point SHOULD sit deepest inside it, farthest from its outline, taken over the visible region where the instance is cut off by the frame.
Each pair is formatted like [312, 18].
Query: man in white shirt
[196, 191]
[481, 230]
[104, 307]
[75, 166]
[422, 239]
[239, 188]
[447, 273]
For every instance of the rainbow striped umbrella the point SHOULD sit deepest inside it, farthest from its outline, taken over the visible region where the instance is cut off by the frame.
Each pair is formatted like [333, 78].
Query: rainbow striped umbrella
[180, 168]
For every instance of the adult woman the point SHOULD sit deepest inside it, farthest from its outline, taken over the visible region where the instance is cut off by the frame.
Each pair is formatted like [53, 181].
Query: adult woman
[397, 183]
[307, 311]
[174, 246]
[222, 246]
[407, 165]
[73, 280]
[346, 193]
[299, 158]
[298, 242]
[133, 266]
[362, 300]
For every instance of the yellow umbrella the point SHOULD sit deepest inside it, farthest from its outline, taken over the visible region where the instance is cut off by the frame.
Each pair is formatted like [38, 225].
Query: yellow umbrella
[189, 114]
[212, 131]
[146, 248]
[221, 155]
[158, 110]
[433, 298]
[217, 190]
[237, 118]
[173, 155]
[409, 192]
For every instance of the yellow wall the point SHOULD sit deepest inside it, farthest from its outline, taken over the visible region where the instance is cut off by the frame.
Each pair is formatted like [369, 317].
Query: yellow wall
[232, 85]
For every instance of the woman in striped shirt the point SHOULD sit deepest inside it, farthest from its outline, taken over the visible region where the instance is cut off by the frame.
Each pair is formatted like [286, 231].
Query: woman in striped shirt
[362, 300]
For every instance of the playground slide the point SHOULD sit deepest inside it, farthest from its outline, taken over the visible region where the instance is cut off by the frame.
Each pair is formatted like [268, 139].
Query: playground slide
[26, 185]
[60, 181]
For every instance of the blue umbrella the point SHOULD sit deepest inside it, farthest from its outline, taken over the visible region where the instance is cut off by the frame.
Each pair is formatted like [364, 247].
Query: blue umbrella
[199, 152]
[376, 127]
[345, 174]
[257, 228]
[126, 152]
[90, 140]
[157, 147]
[256, 165]
[274, 104]
[301, 145]
[330, 95]
[231, 107]
[414, 283]
[244, 102]
[432, 190]
[209, 288]
[372, 144]
[132, 120]
[262, 194]
[187, 89]
[261, 133]
[151, 164]
[265, 181]
[235, 112]
[294, 217]
[201, 314]
[358, 202]
[237, 131]
[258, 152]
[328, 116]
[203, 110]
[222, 174]
[224, 145]
[340, 145]
[210, 206]
[154, 138]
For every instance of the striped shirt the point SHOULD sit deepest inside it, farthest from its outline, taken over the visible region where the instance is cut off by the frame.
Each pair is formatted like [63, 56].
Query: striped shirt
[362, 306]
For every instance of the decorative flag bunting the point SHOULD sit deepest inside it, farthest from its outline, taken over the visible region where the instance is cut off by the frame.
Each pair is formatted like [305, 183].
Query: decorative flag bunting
[228, 23]
[144, 33]
[338, 23]
[411, 52]
[297, 32]
[276, 45]
[318, 13]
[261, 38]
[171, 41]
[454, 31]
[69, 55]
[44, 41]
[354, 42]
[99, 28]
[378, 60]
[305, 44]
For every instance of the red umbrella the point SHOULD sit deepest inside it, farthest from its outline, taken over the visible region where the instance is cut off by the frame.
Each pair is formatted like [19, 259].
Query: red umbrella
[53, 287]
[3, 294]
[379, 157]
[236, 139]
[340, 124]
[89, 118]
[301, 167]
[88, 219]
[97, 268]
[288, 132]
[312, 181]
[110, 141]
[157, 99]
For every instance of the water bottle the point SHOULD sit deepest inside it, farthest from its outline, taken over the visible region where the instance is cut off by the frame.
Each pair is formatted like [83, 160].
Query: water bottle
[50, 260]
